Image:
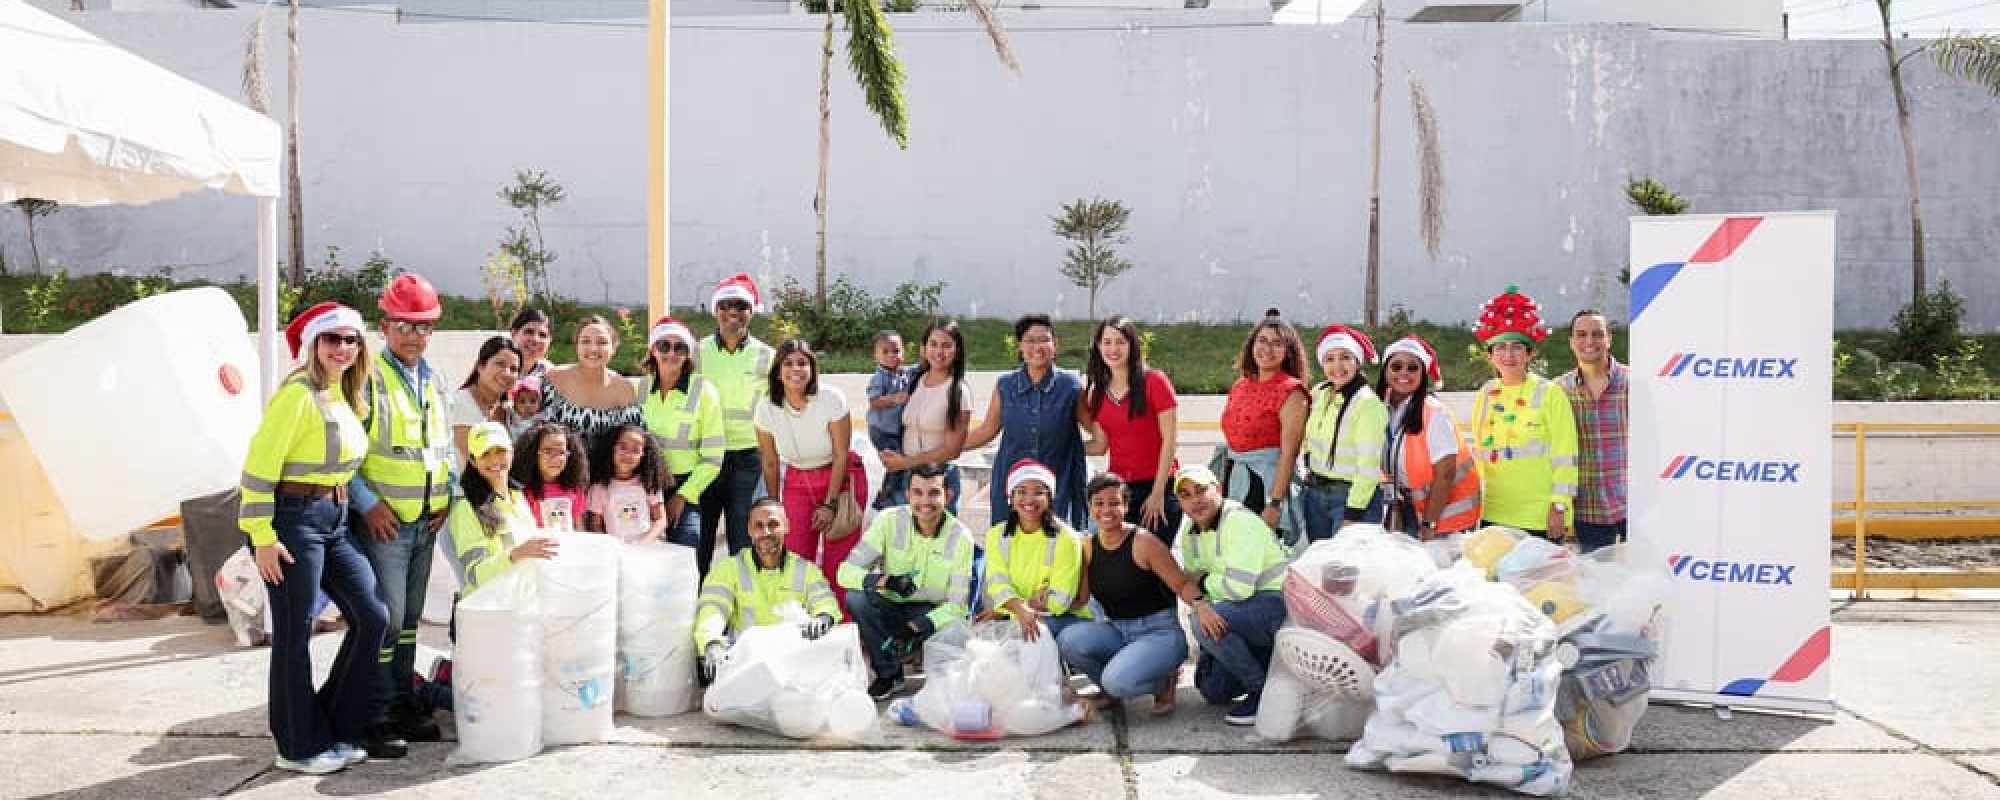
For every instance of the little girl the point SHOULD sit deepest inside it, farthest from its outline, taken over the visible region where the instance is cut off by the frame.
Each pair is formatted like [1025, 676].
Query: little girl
[554, 475]
[527, 405]
[628, 487]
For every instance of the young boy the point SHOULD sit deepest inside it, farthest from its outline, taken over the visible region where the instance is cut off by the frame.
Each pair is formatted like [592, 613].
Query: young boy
[527, 399]
[888, 390]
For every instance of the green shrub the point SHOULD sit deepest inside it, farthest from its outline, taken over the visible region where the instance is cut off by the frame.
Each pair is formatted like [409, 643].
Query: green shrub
[358, 289]
[1927, 328]
[852, 315]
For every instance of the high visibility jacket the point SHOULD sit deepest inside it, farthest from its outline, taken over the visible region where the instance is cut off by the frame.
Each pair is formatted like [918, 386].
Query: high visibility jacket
[1524, 438]
[1414, 462]
[306, 436]
[689, 427]
[1025, 564]
[741, 379]
[1351, 452]
[740, 594]
[409, 444]
[1239, 555]
[479, 554]
[941, 565]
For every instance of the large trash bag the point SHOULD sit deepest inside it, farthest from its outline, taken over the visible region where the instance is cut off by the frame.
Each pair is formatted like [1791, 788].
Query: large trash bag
[657, 585]
[1469, 688]
[578, 594]
[983, 680]
[778, 681]
[497, 670]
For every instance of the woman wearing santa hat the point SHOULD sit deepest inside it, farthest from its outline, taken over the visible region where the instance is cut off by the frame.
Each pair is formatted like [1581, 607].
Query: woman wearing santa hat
[294, 511]
[1433, 483]
[1343, 439]
[1523, 432]
[684, 412]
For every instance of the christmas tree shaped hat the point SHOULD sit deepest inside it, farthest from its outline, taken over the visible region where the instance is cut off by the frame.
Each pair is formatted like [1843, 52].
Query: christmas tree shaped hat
[1512, 316]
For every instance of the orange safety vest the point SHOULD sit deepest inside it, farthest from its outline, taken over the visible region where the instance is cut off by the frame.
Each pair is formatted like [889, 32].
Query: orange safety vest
[1462, 502]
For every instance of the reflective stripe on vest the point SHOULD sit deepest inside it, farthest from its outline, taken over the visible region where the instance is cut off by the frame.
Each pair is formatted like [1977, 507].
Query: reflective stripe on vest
[1463, 495]
[395, 467]
[330, 461]
[955, 585]
[1535, 449]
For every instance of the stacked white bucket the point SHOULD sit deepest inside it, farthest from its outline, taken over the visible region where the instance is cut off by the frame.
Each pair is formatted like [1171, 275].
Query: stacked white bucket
[657, 585]
[579, 596]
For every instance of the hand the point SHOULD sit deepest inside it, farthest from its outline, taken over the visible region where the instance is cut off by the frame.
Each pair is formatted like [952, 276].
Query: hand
[1270, 516]
[268, 562]
[899, 585]
[1153, 513]
[822, 519]
[676, 506]
[381, 523]
[893, 461]
[1558, 530]
[816, 627]
[986, 615]
[1211, 623]
[437, 520]
[538, 547]
[1030, 621]
[1040, 602]
[711, 659]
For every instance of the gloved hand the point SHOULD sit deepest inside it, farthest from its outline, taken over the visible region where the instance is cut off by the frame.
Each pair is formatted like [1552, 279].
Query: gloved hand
[711, 660]
[900, 585]
[922, 627]
[816, 627]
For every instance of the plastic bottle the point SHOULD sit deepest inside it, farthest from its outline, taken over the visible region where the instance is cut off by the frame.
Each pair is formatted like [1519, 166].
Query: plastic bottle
[903, 712]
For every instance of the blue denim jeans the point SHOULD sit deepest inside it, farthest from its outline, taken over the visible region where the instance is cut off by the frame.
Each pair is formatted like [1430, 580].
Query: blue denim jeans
[1591, 536]
[1127, 657]
[725, 505]
[685, 531]
[1325, 509]
[1135, 508]
[878, 617]
[306, 723]
[402, 574]
[1241, 657]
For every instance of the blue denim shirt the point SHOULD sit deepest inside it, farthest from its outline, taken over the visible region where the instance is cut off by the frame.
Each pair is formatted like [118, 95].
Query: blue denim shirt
[887, 382]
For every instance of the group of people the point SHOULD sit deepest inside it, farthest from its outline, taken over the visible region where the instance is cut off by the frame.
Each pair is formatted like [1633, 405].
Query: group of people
[363, 459]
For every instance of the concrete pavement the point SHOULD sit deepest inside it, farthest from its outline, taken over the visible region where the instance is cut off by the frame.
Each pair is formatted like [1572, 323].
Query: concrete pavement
[171, 709]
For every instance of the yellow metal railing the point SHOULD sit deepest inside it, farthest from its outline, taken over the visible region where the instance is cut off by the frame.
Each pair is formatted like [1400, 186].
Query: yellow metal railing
[1856, 580]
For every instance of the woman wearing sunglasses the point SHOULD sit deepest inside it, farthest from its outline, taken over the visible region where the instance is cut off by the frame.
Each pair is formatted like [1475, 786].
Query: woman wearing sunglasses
[684, 412]
[1433, 483]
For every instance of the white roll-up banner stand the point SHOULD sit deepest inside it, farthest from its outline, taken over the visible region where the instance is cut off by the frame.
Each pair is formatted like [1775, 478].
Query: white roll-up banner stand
[1730, 451]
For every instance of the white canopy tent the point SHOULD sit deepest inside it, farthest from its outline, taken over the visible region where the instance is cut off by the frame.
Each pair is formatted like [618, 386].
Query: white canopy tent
[85, 123]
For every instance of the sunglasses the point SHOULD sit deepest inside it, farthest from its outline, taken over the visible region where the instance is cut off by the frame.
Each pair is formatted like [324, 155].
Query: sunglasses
[670, 346]
[338, 339]
[733, 305]
[407, 327]
[1401, 366]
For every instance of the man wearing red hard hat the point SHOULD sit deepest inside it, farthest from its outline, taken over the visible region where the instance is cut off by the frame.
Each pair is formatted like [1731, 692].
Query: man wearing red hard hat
[401, 496]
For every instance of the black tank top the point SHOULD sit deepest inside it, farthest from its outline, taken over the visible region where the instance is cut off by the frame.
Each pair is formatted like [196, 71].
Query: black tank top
[1125, 590]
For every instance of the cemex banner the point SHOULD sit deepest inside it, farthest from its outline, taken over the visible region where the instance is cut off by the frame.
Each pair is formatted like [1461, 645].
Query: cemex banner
[1732, 360]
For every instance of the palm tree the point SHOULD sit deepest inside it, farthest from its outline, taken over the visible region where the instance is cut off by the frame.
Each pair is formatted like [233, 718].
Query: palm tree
[1973, 58]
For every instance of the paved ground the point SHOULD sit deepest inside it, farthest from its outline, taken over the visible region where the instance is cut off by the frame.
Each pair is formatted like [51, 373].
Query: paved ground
[171, 709]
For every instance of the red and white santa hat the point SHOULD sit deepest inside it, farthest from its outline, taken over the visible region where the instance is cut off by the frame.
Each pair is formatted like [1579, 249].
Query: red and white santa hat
[669, 328]
[737, 287]
[1341, 337]
[324, 317]
[1414, 345]
[1028, 469]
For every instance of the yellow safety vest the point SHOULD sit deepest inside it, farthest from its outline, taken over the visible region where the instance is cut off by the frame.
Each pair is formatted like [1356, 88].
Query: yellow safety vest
[748, 596]
[409, 445]
[940, 565]
[1025, 564]
[480, 555]
[689, 428]
[741, 379]
[1356, 457]
[306, 436]
[1239, 555]
[1524, 438]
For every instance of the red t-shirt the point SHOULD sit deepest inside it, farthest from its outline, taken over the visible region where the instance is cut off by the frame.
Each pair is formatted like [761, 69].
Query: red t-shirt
[1135, 442]
[1250, 417]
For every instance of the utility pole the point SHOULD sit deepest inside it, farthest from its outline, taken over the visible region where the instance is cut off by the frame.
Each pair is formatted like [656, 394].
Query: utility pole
[295, 209]
[1372, 290]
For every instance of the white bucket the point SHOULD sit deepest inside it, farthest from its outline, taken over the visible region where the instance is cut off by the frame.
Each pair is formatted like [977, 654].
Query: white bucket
[657, 586]
[579, 613]
[497, 669]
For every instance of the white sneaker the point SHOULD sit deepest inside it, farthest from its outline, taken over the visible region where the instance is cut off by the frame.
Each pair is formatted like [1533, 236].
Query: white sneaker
[322, 764]
[352, 754]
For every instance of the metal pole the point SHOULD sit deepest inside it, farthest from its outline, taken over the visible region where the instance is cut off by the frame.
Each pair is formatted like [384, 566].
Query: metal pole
[1860, 510]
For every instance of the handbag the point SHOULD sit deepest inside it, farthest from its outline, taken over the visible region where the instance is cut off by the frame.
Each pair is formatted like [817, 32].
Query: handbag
[846, 509]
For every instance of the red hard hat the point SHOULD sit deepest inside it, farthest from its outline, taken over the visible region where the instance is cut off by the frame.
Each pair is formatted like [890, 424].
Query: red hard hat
[411, 297]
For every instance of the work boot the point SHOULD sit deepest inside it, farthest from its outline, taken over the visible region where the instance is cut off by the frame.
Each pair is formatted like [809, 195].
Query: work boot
[885, 686]
[414, 724]
[383, 742]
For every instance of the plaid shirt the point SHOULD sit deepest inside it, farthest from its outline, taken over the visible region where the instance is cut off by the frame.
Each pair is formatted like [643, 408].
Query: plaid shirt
[1600, 431]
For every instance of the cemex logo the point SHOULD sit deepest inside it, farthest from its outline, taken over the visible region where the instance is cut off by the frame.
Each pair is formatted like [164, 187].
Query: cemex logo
[1696, 365]
[1693, 467]
[1709, 570]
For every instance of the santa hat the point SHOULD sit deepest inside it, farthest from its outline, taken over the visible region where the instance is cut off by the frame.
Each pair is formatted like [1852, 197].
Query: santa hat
[1512, 316]
[669, 328]
[736, 287]
[1415, 346]
[1341, 337]
[321, 318]
[1028, 469]
[530, 383]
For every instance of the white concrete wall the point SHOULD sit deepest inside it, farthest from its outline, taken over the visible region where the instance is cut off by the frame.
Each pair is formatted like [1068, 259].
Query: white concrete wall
[1242, 149]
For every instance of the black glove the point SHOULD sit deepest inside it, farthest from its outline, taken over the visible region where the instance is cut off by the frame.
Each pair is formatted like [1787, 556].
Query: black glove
[923, 627]
[816, 627]
[900, 585]
[711, 659]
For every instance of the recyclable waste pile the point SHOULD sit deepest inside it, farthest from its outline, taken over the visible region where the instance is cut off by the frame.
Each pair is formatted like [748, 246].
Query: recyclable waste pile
[579, 614]
[1325, 657]
[497, 669]
[1608, 619]
[657, 584]
[777, 680]
[984, 681]
[1469, 687]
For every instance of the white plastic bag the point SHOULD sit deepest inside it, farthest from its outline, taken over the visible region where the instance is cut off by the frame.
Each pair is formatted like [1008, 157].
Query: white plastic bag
[578, 595]
[983, 680]
[243, 598]
[657, 586]
[497, 670]
[776, 680]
